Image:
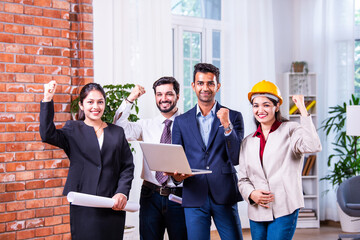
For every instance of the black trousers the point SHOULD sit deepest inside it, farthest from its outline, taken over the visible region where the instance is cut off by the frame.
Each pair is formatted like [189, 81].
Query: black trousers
[96, 223]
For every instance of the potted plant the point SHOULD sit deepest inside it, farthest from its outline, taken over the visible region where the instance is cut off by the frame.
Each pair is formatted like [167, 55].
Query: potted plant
[115, 94]
[346, 158]
[129, 232]
[299, 67]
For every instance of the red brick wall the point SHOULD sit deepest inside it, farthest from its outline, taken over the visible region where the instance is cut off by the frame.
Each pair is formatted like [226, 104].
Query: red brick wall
[40, 40]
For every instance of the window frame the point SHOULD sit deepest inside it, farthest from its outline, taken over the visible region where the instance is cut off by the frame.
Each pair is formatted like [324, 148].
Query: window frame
[356, 40]
[192, 24]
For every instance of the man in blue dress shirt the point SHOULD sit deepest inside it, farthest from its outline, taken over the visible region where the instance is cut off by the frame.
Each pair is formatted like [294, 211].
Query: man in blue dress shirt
[211, 136]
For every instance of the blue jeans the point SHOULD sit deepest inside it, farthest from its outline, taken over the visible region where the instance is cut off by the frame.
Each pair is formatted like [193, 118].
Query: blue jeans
[226, 219]
[157, 213]
[282, 228]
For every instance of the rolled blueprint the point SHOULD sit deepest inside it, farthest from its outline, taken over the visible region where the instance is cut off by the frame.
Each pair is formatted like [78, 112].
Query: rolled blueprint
[88, 200]
[175, 198]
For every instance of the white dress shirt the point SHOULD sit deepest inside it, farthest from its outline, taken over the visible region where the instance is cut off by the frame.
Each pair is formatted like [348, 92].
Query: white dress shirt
[149, 130]
[101, 140]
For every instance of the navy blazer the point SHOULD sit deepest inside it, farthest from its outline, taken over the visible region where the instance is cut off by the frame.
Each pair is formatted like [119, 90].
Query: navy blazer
[102, 172]
[220, 156]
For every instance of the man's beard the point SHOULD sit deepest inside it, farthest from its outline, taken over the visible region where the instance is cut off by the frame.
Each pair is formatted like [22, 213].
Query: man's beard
[172, 106]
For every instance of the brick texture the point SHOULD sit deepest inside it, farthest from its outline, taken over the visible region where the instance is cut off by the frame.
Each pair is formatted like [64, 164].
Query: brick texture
[40, 41]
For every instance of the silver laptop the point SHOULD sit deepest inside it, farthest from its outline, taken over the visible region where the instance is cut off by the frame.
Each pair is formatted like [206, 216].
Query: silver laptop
[168, 158]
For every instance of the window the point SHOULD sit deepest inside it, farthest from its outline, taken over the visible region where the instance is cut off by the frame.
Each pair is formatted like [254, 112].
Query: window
[210, 9]
[196, 38]
[357, 48]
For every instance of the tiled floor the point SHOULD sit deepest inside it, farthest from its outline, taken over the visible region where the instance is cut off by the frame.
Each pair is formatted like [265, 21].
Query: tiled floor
[324, 232]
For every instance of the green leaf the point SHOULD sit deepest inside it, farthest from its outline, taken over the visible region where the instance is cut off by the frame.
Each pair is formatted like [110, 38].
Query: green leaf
[115, 94]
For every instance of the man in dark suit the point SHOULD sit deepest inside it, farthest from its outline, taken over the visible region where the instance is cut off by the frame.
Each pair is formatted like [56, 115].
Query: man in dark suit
[211, 136]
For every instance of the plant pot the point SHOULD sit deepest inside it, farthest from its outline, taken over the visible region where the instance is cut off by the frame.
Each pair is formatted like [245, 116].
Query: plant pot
[348, 224]
[298, 67]
[129, 233]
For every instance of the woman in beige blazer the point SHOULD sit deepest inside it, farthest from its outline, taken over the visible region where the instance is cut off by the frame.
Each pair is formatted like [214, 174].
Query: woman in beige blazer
[271, 161]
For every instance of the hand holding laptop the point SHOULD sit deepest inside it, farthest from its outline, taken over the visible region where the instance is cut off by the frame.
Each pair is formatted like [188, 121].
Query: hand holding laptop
[179, 176]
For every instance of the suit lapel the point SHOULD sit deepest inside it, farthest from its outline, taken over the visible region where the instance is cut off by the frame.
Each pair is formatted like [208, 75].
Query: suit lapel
[214, 127]
[93, 149]
[195, 128]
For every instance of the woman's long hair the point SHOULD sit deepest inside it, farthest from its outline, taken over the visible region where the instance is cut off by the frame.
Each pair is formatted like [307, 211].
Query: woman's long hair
[84, 93]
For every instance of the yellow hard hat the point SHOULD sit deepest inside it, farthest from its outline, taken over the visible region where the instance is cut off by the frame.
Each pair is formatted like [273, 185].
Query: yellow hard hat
[264, 87]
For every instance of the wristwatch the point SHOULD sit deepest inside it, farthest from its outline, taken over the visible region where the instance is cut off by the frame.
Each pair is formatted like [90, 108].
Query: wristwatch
[229, 128]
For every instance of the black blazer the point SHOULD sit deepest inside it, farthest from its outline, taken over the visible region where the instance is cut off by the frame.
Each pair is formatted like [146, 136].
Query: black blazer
[220, 155]
[102, 172]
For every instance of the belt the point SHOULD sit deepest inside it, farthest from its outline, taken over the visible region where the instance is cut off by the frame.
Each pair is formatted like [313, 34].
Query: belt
[163, 190]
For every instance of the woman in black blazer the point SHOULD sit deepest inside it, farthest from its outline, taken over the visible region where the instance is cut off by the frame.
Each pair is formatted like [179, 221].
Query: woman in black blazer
[101, 162]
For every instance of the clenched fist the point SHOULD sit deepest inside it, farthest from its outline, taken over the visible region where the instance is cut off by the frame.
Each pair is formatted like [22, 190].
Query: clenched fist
[299, 102]
[223, 115]
[136, 93]
[49, 91]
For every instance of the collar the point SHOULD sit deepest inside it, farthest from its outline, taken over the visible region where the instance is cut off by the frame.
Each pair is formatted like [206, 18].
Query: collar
[161, 118]
[274, 126]
[212, 111]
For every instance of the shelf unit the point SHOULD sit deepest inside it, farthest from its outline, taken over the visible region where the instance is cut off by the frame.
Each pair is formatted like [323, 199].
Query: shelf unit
[304, 84]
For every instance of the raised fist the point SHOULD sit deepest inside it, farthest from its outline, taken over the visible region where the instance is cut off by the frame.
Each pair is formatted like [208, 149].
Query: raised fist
[49, 91]
[136, 93]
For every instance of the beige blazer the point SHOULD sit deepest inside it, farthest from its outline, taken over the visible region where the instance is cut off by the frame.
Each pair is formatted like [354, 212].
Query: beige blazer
[283, 159]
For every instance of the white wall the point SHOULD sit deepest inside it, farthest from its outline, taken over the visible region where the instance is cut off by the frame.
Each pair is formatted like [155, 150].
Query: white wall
[103, 42]
[283, 38]
[132, 44]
